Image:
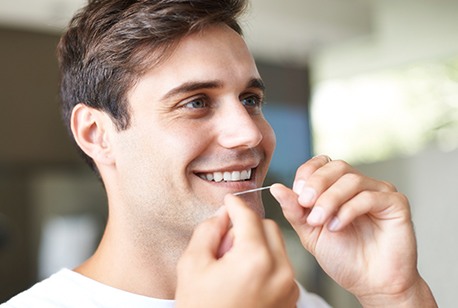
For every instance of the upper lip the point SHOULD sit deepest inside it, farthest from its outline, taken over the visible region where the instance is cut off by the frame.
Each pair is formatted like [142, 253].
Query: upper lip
[238, 167]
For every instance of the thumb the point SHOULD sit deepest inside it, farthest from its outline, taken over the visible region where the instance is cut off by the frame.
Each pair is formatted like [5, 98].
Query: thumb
[207, 238]
[293, 211]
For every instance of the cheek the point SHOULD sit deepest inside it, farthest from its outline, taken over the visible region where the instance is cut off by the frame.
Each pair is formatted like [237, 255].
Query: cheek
[182, 145]
[269, 138]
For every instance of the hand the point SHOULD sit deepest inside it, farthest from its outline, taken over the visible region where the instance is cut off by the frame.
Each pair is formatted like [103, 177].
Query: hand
[244, 267]
[358, 228]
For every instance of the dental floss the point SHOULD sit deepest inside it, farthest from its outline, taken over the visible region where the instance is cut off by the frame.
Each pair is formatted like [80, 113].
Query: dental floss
[251, 190]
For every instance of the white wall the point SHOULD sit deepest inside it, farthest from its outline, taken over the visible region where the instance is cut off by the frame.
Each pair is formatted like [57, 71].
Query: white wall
[403, 32]
[412, 31]
[430, 180]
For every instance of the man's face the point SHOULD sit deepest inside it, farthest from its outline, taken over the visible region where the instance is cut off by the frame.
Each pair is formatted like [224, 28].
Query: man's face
[197, 133]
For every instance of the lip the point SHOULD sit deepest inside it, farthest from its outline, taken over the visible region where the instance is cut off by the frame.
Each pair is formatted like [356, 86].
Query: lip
[230, 187]
[230, 168]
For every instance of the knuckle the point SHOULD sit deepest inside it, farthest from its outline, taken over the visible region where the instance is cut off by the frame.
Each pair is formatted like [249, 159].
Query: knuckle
[353, 178]
[259, 261]
[318, 181]
[401, 198]
[302, 168]
[322, 159]
[305, 170]
[287, 274]
[369, 197]
[284, 278]
[387, 186]
[262, 261]
[313, 164]
[340, 164]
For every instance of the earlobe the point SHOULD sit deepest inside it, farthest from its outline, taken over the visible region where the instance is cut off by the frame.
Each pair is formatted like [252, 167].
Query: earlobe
[91, 129]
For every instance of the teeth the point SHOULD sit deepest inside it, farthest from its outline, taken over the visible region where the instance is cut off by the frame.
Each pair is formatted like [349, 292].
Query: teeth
[227, 176]
[217, 176]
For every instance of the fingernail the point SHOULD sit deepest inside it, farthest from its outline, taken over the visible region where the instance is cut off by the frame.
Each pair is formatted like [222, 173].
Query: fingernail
[334, 224]
[306, 196]
[316, 216]
[298, 186]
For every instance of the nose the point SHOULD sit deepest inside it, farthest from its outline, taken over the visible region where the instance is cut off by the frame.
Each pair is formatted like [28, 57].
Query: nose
[236, 127]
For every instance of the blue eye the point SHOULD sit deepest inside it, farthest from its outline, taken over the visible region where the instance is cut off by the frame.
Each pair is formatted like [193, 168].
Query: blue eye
[252, 101]
[196, 104]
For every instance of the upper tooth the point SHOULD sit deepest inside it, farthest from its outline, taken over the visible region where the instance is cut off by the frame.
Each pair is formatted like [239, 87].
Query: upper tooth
[217, 176]
[236, 175]
[228, 176]
[244, 175]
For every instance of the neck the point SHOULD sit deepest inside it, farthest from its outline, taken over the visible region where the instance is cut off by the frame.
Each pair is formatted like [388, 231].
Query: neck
[136, 262]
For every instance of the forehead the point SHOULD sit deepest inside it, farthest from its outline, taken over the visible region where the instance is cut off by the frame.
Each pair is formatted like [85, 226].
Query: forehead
[215, 53]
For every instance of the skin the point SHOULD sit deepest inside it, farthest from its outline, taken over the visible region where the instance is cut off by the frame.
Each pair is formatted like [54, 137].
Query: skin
[362, 236]
[364, 224]
[196, 113]
[255, 272]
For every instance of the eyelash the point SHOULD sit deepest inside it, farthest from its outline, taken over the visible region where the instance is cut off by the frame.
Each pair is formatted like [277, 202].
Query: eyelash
[205, 102]
[258, 101]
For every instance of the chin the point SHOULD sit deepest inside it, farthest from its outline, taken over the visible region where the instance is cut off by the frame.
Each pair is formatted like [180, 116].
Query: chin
[256, 205]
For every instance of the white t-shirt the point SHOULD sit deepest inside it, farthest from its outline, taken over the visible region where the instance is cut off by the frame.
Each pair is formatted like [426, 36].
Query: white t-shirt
[69, 289]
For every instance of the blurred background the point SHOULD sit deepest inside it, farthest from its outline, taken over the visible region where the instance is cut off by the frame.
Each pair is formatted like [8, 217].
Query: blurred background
[374, 82]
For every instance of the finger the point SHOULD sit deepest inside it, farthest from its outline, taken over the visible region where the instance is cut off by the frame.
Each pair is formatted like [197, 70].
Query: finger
[293, 212]
[381, 206]
[320, 180]
[207, 238]
[341, 191]
[287, 199]
[246, 224]
[307, 169]
[282, 266]
[226, 243]
[274, 239]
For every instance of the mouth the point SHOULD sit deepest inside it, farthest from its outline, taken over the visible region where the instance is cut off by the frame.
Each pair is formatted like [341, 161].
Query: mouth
[227, 176]
[217, 183]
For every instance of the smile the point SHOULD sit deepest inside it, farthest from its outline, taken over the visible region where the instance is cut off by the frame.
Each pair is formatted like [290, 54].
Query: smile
[227, 176]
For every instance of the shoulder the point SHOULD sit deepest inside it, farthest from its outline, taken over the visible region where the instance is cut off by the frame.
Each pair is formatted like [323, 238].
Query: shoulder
[56, 291]
[68, 289]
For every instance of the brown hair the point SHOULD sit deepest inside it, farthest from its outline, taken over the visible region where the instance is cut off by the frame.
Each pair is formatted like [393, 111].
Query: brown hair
[110, 43]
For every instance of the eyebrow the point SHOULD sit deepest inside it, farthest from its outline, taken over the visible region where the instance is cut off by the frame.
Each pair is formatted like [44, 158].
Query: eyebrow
[256, 83]
[192, 86]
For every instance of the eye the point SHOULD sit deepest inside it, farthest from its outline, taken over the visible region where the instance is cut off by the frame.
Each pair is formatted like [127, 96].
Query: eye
[197, 103]
[195, 107]
[252, 102]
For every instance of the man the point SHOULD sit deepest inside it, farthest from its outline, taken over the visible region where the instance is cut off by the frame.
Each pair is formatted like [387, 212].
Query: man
[165, 102]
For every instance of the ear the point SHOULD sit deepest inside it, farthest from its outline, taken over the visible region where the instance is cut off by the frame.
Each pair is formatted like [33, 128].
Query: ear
[91, 129]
